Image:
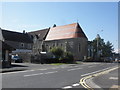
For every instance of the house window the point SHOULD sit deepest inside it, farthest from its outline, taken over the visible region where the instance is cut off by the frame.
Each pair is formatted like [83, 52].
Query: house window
[53, 45]
[56, 44]
[43, 48]
[46, 48]
[22, 44]
[79, 47]
[61, 45]
[71, 44]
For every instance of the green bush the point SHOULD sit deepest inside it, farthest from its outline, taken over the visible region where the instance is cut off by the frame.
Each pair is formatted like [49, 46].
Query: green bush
[57, 51]
[68, 57]
[62, 56]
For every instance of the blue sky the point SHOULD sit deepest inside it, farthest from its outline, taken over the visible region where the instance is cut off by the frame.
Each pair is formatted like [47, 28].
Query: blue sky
[94, 17]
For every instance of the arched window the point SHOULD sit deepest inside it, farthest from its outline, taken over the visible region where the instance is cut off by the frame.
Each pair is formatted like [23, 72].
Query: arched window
[61, 45]
[53, 45]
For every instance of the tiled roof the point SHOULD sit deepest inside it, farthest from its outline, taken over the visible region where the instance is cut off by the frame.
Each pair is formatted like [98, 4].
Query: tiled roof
[6, 46]
[65, 32]
[40, 34]
[16, 36]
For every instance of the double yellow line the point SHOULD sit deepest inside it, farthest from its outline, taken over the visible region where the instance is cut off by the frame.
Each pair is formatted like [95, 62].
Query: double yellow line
[83, 83]
[83, 80]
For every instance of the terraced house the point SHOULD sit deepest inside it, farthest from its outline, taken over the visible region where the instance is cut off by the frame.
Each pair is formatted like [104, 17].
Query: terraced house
[69, 37]
[14, 42]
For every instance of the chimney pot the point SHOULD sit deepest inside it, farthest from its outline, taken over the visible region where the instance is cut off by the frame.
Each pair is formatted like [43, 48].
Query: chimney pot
[23, 31]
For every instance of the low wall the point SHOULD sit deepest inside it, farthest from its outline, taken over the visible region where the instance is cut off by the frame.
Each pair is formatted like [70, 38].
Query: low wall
[5, 64]
[26, 57]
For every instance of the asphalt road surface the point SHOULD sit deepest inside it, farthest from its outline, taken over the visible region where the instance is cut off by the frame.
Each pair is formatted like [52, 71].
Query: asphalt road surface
[110, 80]
[63, 76]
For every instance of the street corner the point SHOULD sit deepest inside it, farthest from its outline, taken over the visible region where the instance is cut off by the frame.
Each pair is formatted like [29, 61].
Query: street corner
[109, 77]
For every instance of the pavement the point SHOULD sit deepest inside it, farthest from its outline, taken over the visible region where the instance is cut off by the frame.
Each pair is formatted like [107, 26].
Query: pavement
[52, 76]
[109, 80]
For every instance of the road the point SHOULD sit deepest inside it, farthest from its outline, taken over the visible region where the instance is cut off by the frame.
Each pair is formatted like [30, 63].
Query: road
[64, 76]
[110, 80]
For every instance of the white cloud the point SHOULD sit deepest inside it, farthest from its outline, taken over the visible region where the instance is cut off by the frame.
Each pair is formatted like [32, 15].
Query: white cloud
[117, 51]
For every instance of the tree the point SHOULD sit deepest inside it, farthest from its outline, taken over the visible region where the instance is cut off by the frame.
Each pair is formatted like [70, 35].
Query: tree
[107, 49]
[100, 48]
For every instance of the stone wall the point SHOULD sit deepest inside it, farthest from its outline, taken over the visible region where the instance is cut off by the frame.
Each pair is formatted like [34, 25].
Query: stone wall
[26, 57]
[78, 46]
[37, 47]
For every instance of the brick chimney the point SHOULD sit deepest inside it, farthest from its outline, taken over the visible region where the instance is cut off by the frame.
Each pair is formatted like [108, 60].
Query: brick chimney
[24, 31]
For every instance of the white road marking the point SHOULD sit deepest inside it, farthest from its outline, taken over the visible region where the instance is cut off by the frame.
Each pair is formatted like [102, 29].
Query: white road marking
[67, 87]
[42, 69]
[96, 71]
[23, 71]
[64, 67]
[77, 84]
[33, 74]
[17, 72]
[76, 66]
[91, 63]
[50, 72]
[74, 69]
[54, 67]
[114, 78]
[39, 74]
[74, 85]
[92, 66]
[32, 70]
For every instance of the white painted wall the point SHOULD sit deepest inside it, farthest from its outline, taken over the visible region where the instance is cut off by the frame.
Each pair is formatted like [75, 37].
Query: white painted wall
[1, 36]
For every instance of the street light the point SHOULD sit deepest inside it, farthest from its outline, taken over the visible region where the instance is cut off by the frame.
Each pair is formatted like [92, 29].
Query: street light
[98, 45]
[98, 36]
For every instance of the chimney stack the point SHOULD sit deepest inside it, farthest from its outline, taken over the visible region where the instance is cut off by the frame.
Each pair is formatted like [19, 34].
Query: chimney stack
[24, 31]
[54, 25]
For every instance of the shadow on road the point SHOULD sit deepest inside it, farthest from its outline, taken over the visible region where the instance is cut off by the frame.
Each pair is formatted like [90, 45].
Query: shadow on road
[16, 65]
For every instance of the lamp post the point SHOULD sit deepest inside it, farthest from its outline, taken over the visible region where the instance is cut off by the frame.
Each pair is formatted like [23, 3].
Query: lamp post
[98, 37]
[98, 45]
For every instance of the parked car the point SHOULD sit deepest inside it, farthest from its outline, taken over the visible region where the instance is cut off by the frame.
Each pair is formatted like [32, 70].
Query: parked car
[16, 59]
[117, 60]
[108, 59]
